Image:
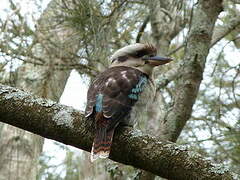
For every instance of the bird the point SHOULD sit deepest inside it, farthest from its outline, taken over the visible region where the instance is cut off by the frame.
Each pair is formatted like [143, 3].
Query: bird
[118, 95]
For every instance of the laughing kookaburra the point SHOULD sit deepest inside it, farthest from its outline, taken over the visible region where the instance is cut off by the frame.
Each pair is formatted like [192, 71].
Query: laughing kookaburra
[120, 92]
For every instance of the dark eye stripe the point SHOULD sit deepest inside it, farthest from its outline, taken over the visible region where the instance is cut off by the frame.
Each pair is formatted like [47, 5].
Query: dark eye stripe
[140, 53]
[120, 59]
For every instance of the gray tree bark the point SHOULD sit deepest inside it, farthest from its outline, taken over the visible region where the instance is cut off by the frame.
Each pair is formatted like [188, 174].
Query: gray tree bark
[166, 24]
[131, 147]
[19, 149]
[191, 68]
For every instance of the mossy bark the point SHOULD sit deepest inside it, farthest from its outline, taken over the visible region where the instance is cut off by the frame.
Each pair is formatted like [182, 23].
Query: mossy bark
[131, 147]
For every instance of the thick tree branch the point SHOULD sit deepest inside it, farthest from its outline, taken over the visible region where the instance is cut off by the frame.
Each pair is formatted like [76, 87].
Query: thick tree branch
[191, 68]
[67, 125]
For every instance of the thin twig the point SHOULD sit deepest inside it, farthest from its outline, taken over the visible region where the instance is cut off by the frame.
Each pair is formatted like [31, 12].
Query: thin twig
[142, 28]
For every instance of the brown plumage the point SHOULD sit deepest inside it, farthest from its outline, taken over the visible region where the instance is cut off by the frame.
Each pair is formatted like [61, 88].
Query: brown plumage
[113, 94]
[116, 104]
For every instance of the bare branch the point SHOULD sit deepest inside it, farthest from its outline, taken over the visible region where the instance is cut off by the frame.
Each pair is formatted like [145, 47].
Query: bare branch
[218, 34]
[142, 28]
[67, 125]
[191, 67]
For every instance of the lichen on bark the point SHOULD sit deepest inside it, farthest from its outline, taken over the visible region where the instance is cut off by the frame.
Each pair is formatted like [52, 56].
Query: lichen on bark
[130, 146]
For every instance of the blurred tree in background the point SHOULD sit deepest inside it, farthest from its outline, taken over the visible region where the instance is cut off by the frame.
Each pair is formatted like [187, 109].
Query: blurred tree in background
[196, 97]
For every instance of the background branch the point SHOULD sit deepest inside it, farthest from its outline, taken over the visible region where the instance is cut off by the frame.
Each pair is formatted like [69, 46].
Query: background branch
[142, 28]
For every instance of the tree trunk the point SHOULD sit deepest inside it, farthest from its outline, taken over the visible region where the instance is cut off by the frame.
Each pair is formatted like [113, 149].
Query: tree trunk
[19, 149]
[172, 120]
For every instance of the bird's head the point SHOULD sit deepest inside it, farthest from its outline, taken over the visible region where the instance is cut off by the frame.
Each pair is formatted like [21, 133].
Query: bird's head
[139, 56]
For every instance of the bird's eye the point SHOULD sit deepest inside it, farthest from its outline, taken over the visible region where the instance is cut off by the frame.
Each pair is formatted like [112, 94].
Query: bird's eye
[140, 53]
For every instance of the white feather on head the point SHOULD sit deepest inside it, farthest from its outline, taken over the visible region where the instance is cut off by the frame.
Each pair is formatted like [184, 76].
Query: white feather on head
[128, 56]
[130, 49]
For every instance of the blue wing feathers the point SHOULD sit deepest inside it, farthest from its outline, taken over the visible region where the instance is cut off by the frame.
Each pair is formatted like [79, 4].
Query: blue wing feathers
[138, 88]
[133, 96]
[99, 103]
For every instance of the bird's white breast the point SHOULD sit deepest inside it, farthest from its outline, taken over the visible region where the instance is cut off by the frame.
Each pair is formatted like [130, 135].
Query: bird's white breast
[141, 109]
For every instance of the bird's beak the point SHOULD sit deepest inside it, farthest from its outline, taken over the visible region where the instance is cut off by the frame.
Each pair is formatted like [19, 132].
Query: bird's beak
[157, 60]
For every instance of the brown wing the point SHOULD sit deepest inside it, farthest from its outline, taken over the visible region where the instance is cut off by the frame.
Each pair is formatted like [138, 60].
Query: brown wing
[119, 88]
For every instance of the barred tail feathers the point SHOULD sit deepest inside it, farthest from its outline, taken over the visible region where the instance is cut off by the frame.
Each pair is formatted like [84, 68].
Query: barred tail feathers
[102, 144]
